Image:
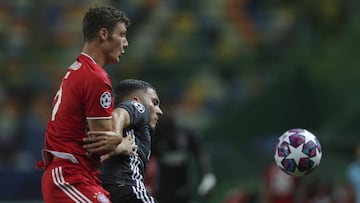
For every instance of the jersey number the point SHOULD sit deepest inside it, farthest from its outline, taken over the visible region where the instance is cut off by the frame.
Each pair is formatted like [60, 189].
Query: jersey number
[57, 103]
[58, 99]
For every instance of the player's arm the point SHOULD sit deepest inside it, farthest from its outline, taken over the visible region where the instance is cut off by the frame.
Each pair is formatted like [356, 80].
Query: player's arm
[98, 116]
[99, 124]
[120, 120]
[128, 115]
[208, 179]
[105, 141]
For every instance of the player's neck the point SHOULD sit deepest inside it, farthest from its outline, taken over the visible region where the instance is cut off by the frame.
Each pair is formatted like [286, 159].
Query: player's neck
[93, 51]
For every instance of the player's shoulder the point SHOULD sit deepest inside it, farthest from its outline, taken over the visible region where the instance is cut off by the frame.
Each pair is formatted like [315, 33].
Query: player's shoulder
[89, 65]
[138, 106]
[94, 74]
[133, 106]
[137, 112]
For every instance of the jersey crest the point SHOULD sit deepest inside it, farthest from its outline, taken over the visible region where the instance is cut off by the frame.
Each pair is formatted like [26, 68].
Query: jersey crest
[101, 197]
[139, 107]
[105, 100]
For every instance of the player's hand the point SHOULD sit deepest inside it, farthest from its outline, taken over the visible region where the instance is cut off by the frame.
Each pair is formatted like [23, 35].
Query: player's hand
[207, 184]
[127, 147]
[101, 142]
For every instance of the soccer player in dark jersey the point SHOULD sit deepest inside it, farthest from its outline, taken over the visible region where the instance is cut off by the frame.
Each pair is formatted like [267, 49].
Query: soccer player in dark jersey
[174, 148]
[136, 113]
[84, 100]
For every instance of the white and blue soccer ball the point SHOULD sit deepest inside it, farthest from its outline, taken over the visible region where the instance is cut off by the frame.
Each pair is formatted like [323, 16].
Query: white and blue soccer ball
[298, 152]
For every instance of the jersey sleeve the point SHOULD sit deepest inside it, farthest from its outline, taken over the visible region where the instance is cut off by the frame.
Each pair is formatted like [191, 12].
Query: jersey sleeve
[98, 98]
[138, 113]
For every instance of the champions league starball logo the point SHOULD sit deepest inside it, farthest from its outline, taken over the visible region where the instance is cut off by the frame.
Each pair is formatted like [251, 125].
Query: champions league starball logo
[105, 100]
[139, 107]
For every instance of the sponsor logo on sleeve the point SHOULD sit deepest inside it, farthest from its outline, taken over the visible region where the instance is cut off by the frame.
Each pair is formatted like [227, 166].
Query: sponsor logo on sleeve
[105, 100]
[139, 107]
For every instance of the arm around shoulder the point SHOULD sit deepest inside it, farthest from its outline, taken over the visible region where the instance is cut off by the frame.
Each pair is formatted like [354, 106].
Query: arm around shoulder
[113, 141]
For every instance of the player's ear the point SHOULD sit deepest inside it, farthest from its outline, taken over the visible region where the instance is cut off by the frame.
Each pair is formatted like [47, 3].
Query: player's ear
[103, 34]
[136, 98]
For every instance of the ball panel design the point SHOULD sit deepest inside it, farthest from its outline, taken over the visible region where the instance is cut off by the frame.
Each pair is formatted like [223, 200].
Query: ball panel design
[296, 139]
[305, 164]
[310, 149]
[283, 149]
[289, 165]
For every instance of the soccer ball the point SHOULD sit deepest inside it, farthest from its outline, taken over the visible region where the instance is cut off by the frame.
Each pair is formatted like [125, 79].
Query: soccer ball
[298, 152]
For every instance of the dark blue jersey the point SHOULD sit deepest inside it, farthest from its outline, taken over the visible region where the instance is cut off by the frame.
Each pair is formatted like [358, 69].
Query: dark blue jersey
[128, 169]
[174, 147]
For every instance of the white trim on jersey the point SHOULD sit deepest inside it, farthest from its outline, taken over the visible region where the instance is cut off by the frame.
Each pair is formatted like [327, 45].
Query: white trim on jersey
[139, 189]
[61, 155]
[68, 189]
[143, 195]
[82, 53]
[96, 118]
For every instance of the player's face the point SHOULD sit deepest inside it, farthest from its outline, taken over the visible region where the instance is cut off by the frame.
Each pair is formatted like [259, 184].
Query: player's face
[116, 43]
[151, 100]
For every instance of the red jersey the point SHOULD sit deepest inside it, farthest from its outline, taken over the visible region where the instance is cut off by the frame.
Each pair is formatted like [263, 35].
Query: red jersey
[85, 93]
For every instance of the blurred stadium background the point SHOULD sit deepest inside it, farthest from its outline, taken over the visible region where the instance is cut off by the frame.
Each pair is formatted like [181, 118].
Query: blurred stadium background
[244, 71]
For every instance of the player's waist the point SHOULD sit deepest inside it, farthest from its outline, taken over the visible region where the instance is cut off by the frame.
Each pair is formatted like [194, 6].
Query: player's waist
[51, 155]
[60, 155]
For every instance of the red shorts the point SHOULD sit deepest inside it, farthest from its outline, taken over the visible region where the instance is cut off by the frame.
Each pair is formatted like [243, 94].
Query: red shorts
[64, 181]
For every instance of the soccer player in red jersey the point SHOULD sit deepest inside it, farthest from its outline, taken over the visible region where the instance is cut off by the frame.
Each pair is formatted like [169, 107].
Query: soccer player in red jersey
[83, 102]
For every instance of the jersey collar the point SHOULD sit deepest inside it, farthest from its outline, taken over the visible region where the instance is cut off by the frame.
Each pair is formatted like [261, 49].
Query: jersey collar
[82, 53]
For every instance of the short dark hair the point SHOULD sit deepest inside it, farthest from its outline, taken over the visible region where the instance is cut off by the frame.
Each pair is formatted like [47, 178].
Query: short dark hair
[127, 86]
[102, 16]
